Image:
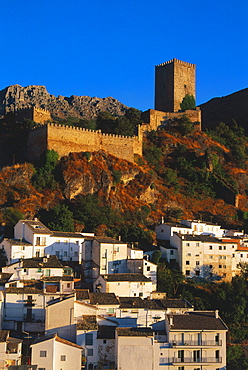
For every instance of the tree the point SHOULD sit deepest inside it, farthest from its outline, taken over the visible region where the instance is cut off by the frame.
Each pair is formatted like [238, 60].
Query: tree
[58, 218]
[156, 257]
[11, 216]
[188, 102]
[169, 280]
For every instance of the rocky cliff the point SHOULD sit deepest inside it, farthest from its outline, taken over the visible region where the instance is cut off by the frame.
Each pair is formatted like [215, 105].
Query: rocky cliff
[16, 97]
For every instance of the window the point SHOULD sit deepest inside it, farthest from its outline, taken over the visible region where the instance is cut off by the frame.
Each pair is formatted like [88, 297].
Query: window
[39, 270]
[197, 273]
[224, 257]
[187, 272]
[187, 244]
[232, 246]
[241, 255]
[187, 262]
[198, 244]
[210, 266]
[197, 262]
[43, 353]
[111, 310]
[220, 247]
[65, 253]
[188, 254]
[171, 252]
[68, 285]
[211, 257]
[141, 294]
[23, 248]
[210, 247]
[233, 255]
[89, 339]
[63, 358]
[220, 266]
[37, 240]
[162, 230]
[90, 352]
[224, 247]
[104, 341]
[148, 268]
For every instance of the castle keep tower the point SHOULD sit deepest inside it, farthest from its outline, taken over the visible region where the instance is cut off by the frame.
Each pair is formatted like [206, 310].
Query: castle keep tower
[173, 80]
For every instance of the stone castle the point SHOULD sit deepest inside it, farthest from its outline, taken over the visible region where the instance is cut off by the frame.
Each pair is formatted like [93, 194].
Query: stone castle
[173, 80]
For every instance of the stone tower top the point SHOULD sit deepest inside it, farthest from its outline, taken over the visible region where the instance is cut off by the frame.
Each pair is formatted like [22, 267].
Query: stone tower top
[173, 80]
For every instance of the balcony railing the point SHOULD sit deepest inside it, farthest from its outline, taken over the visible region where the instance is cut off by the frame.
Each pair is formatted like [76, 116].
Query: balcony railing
[195, 360]
[195, 343]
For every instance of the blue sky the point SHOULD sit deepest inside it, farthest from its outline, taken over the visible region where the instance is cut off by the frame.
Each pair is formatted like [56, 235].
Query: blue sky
[109, 48]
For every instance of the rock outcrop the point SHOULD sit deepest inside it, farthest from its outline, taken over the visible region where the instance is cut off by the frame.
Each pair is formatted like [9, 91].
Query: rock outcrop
[16, 97]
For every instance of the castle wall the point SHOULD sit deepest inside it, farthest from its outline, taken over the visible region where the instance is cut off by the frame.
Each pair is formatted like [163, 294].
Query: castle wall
[41, 115]
[37, 143]
[66, 139]
[154, 118]
[173, 80]
[38, 115]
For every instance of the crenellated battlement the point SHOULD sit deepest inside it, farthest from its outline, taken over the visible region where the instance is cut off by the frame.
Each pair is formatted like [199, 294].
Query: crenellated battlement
[66, 139]
[174, 60]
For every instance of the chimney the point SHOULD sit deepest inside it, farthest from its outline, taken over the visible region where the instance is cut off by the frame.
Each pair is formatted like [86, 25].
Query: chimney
[119, 238]
[216, 314]
[171, 320]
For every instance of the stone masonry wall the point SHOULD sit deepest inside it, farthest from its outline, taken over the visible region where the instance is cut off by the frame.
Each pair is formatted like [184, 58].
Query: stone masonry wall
[173, 80]
[154, 118]
[66, 139]
[41, 115]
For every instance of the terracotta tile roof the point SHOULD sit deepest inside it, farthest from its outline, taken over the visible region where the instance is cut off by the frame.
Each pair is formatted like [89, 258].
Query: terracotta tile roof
[26, 290]
[42, 262]
[200, 238]
[103, 299]
[18, 242]
[36, 226]
[57, 278]
[102, 239]
[87, 322]
[197, 320]
[153, 304]
[134, 332]
[64, 234]
[82, 294]
[126, 277]
[4, 277]
[67, 342]
[106, 332]
[57, 339]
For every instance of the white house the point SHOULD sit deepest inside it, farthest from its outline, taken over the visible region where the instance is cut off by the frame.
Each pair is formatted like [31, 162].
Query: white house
[33, 239]
[34, 268]
[53, 353]
[165, 230]
[102, 255]
[193, 340]
[10, 350]
[124, 285]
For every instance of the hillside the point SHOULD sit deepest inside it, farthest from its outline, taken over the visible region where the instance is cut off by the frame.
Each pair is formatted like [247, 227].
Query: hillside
[182, 174]
[225, 109]
[16, 97]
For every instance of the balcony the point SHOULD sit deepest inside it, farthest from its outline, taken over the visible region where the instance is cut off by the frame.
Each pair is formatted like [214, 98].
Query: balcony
[192, 360]
[196, 343]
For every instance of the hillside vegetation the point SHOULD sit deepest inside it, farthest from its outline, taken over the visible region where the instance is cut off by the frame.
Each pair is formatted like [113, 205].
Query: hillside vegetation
[184, 173]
